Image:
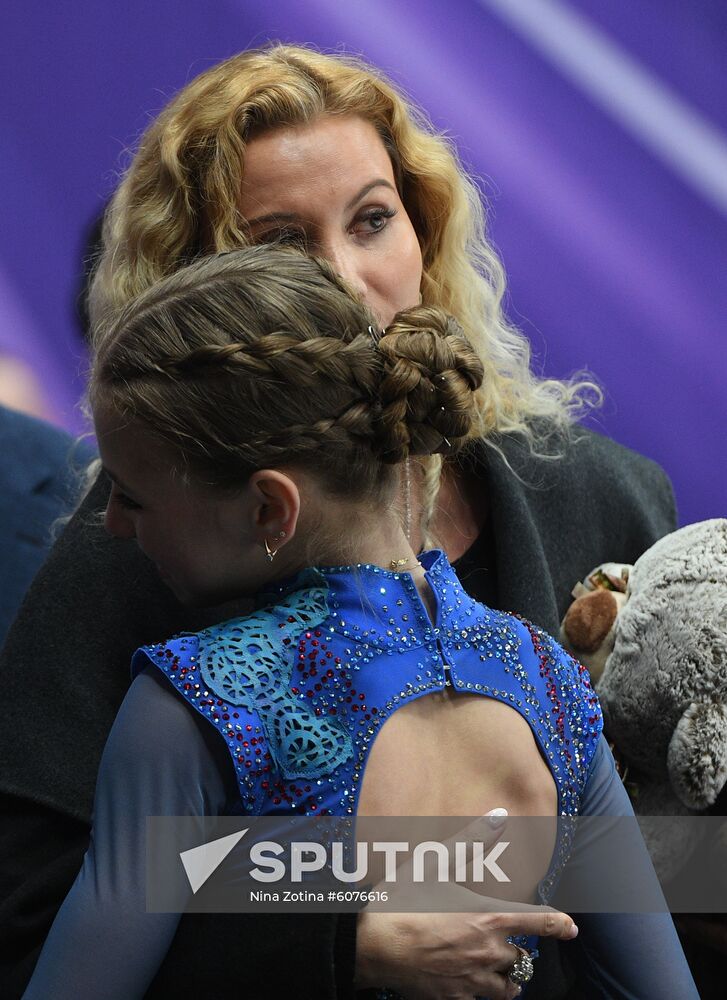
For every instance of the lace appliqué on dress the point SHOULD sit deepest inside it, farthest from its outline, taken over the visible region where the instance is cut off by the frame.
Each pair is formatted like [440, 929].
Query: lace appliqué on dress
[248, 662]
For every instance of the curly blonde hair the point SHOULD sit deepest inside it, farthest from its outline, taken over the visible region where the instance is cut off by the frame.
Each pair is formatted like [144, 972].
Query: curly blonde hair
[179, 200]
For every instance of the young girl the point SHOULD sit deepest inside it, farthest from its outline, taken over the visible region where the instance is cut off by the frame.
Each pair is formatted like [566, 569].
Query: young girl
[256, 426]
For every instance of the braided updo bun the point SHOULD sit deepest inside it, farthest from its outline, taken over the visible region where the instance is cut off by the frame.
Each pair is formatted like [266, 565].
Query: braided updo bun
[262, 358]
[427, 388]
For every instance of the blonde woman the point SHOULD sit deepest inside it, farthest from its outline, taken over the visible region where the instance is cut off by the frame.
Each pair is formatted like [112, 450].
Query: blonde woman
[286, 144]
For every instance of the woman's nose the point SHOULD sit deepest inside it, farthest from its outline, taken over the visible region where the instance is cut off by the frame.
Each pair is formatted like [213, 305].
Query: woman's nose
[118, 522]
[347, 264]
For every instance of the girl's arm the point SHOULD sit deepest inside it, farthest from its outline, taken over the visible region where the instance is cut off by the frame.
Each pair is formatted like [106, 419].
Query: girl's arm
[159, 760]
[624, 956]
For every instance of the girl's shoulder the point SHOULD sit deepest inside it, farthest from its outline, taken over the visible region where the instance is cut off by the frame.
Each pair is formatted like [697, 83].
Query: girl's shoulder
[235, 653]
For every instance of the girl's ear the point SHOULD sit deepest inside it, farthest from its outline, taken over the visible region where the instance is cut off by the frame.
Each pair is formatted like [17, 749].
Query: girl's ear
[276, 500]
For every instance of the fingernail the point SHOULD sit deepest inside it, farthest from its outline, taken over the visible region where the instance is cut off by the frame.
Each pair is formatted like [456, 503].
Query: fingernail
[573, 931]
[496, 817]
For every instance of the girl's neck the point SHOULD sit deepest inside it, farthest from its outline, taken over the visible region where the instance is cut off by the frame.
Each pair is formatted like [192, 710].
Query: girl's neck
[383, 544]
[460, 512]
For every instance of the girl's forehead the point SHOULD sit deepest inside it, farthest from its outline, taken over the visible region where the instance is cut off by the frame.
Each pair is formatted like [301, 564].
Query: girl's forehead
[127, 448]
[113, 429]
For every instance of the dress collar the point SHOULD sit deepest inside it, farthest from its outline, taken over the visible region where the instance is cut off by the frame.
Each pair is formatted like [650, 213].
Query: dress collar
[366, 597]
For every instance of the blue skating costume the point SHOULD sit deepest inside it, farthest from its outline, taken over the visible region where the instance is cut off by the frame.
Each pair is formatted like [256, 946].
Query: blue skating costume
[298, 691]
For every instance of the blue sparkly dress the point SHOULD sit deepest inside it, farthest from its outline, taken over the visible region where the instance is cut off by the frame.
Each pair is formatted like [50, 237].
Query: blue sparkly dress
[299, 690]
[293, 695]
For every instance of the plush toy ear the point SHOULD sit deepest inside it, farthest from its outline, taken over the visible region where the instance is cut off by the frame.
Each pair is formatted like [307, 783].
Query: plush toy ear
[587, 631]
[589, 620]
[697, 755]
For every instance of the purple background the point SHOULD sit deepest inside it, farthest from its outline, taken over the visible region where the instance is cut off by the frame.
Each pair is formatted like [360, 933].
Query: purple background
[616, 261]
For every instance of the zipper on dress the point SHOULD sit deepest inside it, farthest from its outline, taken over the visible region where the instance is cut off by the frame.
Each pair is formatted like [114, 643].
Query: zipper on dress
[448, 682]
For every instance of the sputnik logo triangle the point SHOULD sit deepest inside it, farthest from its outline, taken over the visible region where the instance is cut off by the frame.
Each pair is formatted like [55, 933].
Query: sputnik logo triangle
[201, 862]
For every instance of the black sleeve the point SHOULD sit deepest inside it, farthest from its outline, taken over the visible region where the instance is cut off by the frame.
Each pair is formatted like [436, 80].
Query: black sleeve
[41, 851]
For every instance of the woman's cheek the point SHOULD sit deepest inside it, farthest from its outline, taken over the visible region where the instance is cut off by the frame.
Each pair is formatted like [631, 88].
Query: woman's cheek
[406, 264]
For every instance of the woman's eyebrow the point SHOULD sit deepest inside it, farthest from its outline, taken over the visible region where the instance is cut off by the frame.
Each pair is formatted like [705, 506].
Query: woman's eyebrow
[279, 217]
[379, 182]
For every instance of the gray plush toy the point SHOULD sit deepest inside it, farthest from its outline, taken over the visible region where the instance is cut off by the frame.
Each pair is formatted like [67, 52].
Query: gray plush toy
[654, 637]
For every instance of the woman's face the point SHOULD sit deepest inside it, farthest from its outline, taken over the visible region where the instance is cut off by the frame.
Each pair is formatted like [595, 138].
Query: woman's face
[329, 187]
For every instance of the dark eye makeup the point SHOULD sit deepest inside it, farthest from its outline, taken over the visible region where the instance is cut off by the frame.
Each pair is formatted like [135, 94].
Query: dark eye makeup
[285, 236]
[291, 237]
[376, 218]
[369, 222]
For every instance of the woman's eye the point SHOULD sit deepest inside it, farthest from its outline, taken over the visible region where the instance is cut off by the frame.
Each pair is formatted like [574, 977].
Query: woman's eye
[293, 238]
[373, 221]
[285, 237]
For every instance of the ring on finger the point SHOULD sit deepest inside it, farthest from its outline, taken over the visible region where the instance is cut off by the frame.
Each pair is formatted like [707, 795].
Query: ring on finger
[521, 970]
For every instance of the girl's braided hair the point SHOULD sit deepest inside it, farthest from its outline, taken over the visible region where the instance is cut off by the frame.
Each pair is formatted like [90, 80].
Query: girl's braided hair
[262, 358]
